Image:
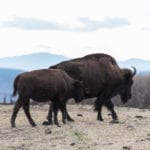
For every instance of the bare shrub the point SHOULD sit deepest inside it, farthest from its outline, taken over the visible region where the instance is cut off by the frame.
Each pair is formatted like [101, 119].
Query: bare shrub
[140, 93]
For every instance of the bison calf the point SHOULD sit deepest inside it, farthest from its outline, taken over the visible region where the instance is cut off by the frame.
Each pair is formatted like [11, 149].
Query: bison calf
[45, 85]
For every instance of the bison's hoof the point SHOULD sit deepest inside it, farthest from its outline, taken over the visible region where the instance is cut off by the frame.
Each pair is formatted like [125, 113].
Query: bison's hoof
[100, 119]
[34, 125]
[58, 125]
[46, 123]
[48, 131]
[114, 121]
[71, 120]
[64, 122]
[13, 126]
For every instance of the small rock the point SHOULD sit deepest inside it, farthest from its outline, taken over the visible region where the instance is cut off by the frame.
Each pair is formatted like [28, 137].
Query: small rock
[48, 131]
[109, 114]
[126, 147]
[72, 144]
[148, 138]
[148, 134]
[131, 127]
[80, 115]
[138, 116]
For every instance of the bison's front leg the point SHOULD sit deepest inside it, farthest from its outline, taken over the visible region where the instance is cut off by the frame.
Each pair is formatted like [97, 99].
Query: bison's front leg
[64, 114]
[99, 114]
[110, 107]
[98, 107]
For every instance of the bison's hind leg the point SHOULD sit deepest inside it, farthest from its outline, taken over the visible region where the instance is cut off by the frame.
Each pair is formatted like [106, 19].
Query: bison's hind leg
[26, 108]
[17, 106]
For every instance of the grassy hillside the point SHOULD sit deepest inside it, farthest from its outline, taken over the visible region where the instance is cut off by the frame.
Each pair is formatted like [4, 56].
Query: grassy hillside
[132, 132]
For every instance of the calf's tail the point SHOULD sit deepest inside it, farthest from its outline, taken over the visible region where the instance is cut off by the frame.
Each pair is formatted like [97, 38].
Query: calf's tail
[15, 86]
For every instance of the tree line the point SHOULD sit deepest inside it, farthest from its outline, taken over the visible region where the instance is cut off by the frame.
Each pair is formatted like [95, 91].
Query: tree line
[140, 94]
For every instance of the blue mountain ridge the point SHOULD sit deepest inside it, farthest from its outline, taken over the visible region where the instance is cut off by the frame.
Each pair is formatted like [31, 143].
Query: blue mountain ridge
[31, 61]
[140, 64]
[7, 76]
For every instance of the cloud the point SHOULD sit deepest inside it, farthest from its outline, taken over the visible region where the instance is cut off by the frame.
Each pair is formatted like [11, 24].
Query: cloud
[33, 24]
[88, 25]
[93, 25]
[146, 29]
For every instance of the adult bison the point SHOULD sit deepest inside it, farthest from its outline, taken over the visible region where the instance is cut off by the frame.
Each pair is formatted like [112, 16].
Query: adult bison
[102, 78]
[42, 86]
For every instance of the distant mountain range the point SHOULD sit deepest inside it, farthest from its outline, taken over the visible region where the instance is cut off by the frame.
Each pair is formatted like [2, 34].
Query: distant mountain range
[44, 60]
[6, 82]
[143, 66]
[11, 66]
[31, 61]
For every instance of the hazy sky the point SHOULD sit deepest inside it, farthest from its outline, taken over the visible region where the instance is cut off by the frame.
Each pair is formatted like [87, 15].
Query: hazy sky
[75, 27]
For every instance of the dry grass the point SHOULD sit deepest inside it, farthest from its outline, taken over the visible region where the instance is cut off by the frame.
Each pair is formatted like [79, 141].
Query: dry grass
[132, 132]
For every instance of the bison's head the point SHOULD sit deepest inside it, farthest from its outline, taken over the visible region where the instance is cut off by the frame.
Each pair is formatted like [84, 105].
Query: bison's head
[78, 92]
[125, 90]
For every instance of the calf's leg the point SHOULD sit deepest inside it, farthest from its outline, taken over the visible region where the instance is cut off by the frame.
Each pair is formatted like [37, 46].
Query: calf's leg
[17, 106]
[64, 114]
[26, 108]
[55, 109]
[49, 117]
[62, 106]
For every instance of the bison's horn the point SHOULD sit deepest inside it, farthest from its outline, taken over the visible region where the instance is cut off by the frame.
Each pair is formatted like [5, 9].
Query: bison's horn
[134, 71]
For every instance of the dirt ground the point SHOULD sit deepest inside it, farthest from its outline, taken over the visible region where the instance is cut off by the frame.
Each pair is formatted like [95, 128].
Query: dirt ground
[131, 133]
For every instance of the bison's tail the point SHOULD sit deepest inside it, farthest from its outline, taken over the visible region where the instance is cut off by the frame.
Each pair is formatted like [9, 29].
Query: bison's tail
[15, 86]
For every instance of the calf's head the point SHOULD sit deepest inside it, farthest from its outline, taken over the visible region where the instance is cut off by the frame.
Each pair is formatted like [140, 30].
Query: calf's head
[125, 91]
[78, 92]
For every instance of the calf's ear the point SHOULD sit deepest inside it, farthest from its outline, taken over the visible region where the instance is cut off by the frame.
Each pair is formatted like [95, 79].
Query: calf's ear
[78, 83]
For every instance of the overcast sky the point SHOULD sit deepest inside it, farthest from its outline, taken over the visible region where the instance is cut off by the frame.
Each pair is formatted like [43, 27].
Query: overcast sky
[75, 28]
